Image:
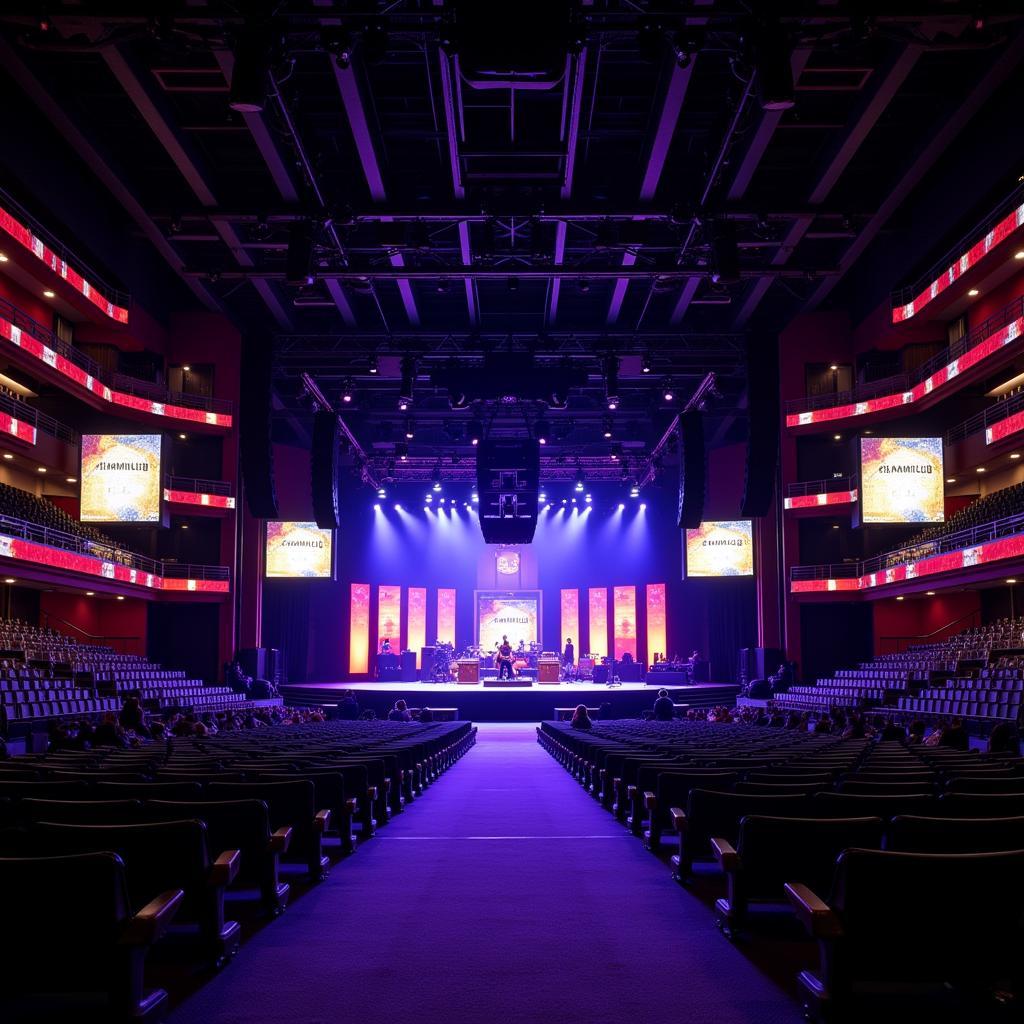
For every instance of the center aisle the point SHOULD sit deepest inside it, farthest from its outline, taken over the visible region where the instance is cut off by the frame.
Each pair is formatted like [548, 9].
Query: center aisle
[507, 895]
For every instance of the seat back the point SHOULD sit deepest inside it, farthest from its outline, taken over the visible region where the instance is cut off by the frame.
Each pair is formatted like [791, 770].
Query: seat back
[912, 834]
[838, 805]
[711, 814]
[82, 812]
[147, 790]
[289, 803]
[980, 805]
[987, 783]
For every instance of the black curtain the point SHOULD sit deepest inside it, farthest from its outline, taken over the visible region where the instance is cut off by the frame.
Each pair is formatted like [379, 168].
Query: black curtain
[286, 625]
[834, 636]
[732, 625]
[184, 636]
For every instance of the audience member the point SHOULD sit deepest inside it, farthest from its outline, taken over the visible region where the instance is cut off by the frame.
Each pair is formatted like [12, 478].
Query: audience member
[915, 732]
[581, 718]
[664, 708]
[426, 715]
[1003, 739]
[400, 712]
[955, 736]
[348, 707]
[892, 731]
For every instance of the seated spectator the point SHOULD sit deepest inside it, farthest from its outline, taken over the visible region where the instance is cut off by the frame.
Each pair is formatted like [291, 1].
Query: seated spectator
[823, 724]
[348, 707]
[1003, 739]
[955, 736]
[400, 712]
[855, 730]
[426, 715]
[934, 738]
[892, 731]
[109, 732]
[915, 732]
[794, 720]
[133, 717]
[777, 720]
[664, 708]
[581, 718]
[158, 731]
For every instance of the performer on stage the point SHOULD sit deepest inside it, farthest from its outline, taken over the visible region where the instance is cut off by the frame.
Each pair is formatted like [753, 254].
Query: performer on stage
[569, 654]
[385, 647]
[504, 659]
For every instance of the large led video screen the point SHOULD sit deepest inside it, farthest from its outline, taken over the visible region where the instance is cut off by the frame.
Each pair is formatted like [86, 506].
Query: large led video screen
[515, 614]
[901, 480]
[120, 478]
[722, 548]
[299, 551]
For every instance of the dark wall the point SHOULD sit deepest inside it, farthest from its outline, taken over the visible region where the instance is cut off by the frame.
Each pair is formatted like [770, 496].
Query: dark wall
[834, 636]
[184, 636]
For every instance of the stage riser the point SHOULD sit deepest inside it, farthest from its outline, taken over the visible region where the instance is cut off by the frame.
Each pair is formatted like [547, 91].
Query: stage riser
[527, 705]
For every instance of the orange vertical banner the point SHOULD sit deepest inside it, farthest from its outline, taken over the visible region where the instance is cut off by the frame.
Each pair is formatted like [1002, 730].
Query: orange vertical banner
[571, 619]
[598, 640]
[624, 621]
[389, 617]
[446, 616]
[359, 629]
[416, 612]
[656, 636]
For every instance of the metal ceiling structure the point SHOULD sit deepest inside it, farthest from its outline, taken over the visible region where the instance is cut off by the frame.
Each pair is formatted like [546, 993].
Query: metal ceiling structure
[638, 191]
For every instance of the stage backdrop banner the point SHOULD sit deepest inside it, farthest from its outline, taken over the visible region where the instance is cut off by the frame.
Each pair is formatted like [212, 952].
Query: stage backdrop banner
[723, 548]
[597, 641]
[389, 617]
[515, 614]
[571, 619]
[446, 616]
[624, 606]
[902, 480]
[656, 621]
[299, 550]
[417, 621]
[359, 629]
[121, 478]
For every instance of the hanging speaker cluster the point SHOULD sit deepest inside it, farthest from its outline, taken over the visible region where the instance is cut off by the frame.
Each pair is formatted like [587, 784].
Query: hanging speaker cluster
[693, 467]
[255, 423]
[763, 413]
[508, 484]
[323, 468]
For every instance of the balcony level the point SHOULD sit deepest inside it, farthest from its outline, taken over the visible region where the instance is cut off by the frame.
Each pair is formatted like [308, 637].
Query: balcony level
[821, 497]
[201, 497]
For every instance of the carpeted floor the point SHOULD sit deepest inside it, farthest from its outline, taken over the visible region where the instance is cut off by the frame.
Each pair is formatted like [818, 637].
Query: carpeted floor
[506, 895]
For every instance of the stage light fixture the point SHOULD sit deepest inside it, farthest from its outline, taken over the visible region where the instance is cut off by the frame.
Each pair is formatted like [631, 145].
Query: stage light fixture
[565, 501]
[429, 498]
[542, 496]
[402, 451]
[372, 368]
[346, 392]
[643, 505]
[542, 429]
[611, 381]
[435, 478]
[376, 506]
[772, 66]
[669, 393]
[607, 429]
[49, 294]
[410, 430]
[249, 76]
[381, 492]
[645, 363]
[622, 505]
[398, 508]
[574, 501]
[616, 452]
[408, 383]
[634, 491]
[725, 254]
[299, 255]
[588, 499]
[475, 432]
[580, 479]
[973, 292]
[474, 497]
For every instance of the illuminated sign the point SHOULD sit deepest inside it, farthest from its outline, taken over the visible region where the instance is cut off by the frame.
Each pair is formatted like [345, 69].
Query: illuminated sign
[723, 548]
[902, 480]
[299, 550]
[515, 614]
[121, 478]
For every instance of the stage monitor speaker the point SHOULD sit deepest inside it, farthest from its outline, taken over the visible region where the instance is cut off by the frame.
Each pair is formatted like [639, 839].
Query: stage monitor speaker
[693, 463]
[262, 663]
[508, 484]
[255, 426]
[758, 663]
[323, 469]
[763, 417]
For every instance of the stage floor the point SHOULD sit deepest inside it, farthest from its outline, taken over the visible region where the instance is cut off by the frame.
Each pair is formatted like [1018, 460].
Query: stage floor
[507, 703]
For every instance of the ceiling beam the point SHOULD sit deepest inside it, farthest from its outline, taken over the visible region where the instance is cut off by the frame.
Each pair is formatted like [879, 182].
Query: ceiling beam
[889, 80]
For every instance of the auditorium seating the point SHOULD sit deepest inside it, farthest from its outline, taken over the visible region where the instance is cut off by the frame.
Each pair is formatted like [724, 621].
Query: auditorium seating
[16, 503]
[225, 838]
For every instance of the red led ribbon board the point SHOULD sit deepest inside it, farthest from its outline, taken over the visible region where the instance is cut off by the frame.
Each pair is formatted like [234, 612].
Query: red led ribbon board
[198, 498]
[1006, 227]
[90, 565]
[816, 500]
[951, 561]
[34, 347]
[25, 237]
[993, 343]
[17, 428]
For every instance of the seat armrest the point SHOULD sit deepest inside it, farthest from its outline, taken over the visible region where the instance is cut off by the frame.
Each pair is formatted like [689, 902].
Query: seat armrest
[727, 857]
[649, 799]
[631, 791]
[815, 914]
[372, 792]
[352, 805]
[225, 868]
[322, 821]
[153, 919]
[281, 840]
[678, 818]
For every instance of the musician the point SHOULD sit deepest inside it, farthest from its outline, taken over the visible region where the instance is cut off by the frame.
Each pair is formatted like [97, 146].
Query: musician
[504, 659]
[385, 647]
[569, 654]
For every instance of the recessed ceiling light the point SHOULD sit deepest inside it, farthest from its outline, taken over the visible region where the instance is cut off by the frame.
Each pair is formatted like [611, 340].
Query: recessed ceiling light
[900, 598]
[10, 579]
[837, 437]
[1014, 455]
[184, 526]
[90, 593]
[186, 368]
[8, 455]
[49, 294]
[1011, 581]
[972, 292]
[930, 593]
[120, 597]
[72, 479]
[951, 480]
[41, 469]
[3, 257]
[1019, 254]
[834, 366]
[981, 469]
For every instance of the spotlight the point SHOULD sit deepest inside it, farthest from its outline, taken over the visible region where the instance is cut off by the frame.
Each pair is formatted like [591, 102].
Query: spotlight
[643, 505]
[381, 493]
[299, 256]
[580, 478]
[346, 392]
[611, 381]
[398, 508]
[474, 497]
[725, 256]
[429, 498]
[120, 597]
[970, 291]
[645, 364]
[622, 505]
[543, 430]
[376, 506]
[372, 368]
[669, 393]
[772, 55]
[249, 76]
[186, 368]
[574, 501]
[607, 431]
[408, 380]
[475, 431]
[565, 501]
[634, 491]
[410, 431]
[402, 451]
[50, 294]
[542, 496]
[616, 452]
[588, 499]
[435, 478]
[8, 456]
[402, 405]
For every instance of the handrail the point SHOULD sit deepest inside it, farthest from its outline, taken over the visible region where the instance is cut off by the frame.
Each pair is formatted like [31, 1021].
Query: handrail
[901, 296]
[197, 485]
[117, 381]
[96, 280]
[1002, 410]
[29, 414]
[904, 381]
[1005, 527]
[927, 636]
[840, 483]
[92, 636]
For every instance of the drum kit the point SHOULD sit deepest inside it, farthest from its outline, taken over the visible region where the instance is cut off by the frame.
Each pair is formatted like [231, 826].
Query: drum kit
[444, 658]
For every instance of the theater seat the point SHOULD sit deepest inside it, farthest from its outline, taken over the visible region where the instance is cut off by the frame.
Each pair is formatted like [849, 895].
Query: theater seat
[948, 921]
[77, 931]
[911, 834]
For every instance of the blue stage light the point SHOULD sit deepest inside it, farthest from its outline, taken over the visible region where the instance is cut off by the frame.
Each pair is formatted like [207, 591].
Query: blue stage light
[622, 505]
[398, 508]
[589, 499]
[376, 507]
[475, 497]
[643, 505]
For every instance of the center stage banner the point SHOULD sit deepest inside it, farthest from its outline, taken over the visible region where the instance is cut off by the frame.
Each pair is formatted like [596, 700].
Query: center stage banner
[515, 615]
[121, 478]
[902, 480]
[624, 610]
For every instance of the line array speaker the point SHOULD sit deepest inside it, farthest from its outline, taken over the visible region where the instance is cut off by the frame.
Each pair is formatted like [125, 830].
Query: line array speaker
[763, 414]
[323, 470]
[508, 484]
[255, 424]
[693, 469]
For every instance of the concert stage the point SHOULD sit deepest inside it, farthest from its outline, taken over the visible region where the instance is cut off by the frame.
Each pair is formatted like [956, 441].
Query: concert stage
[507, 703]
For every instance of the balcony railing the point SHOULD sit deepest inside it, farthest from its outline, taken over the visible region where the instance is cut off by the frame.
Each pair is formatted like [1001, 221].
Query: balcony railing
[968, 538]
[839, 483]
[96, 281]
[984, 419]
[904, 295]
[905, 381]
[64, 541]
[195, 485]
[117, 381]
[47, 424]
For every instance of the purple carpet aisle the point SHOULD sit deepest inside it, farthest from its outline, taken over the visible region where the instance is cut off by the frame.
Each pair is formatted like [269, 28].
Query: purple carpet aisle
[507, 895]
